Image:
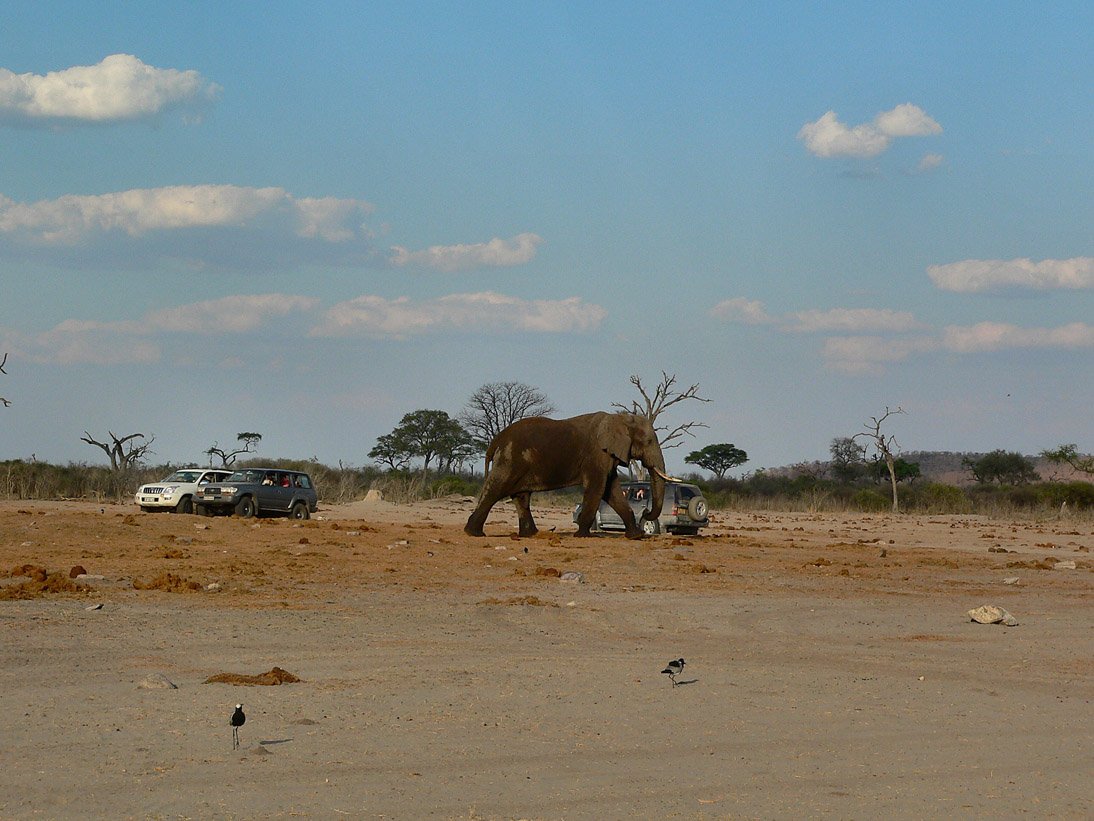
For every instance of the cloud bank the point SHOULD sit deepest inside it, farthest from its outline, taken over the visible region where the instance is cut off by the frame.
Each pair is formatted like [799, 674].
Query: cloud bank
[520, 250]
[120, 88]
[828, 137]
[374, 316]
[992, 275]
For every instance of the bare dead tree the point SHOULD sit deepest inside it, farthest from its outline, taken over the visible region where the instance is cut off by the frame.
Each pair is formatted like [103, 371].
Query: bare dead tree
[883, 446]
[228, 457]
[124, 451]
[3, 362]
[665, 395]
[497, 405]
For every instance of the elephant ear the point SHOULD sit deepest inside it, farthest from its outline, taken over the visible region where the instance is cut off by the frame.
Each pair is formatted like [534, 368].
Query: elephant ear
[613, 436]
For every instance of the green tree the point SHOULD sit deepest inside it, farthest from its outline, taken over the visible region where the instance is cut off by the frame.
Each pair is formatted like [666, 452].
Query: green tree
[424, 434]
[1069, 454]
[905, 471]
[1002, 467]
[228, 457]
[717, 458]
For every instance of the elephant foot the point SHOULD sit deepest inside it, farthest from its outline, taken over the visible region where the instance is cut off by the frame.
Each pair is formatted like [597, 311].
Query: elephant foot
[527, 533]
[471, 530]
[583, 533]
[636, 535]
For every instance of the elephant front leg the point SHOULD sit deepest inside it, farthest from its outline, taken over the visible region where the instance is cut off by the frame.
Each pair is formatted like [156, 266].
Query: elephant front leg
[618, 501]
[527, 525]
[589, 505]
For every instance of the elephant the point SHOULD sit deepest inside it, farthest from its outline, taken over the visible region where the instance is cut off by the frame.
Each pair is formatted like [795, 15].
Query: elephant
[538, 453]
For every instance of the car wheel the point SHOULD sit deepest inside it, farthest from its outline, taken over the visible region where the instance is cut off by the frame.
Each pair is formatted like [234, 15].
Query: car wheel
[245, 508]
[147, 509]
[697, 508]
[202, 510]
[300, 511]
[186, 505]
[651, 527]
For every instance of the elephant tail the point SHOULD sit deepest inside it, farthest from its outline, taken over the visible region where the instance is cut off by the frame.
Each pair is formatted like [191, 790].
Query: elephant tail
[489, 457]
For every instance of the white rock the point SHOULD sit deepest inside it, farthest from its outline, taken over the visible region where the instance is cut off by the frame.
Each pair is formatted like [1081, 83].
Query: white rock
[992, 614]
[1068, 565]
[572, 576]
[1010, 580]
[157, 681]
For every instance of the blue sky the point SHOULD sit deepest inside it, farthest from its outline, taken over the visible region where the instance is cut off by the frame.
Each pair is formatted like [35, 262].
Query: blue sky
[309, 222]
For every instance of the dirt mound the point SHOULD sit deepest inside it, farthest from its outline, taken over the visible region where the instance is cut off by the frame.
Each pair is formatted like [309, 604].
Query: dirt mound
[40, 584]
[169, 583]
[272, 677]
[31, 571]
[530, 600]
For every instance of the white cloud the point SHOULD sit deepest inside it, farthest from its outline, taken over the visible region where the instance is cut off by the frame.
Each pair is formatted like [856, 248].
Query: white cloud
[828, 137]
[497, 252]
[119, 88]
[230, 314]
[999, 336]
[985, 275]
[132, 341]
[851, 320]
[929, 162]
[488, 311]
[907, 120]
[75, 218]
[740, 309]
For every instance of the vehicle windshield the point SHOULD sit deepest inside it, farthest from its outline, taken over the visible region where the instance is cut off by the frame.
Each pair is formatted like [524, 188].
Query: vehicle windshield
[247, 477]
[189, 476]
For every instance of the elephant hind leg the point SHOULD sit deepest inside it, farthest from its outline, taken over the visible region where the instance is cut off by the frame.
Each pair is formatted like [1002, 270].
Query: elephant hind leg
[478, 517]
[527, 526]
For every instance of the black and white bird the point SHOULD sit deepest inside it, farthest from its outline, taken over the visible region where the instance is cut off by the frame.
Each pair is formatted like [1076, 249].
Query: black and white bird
[237, 720]
[673, 669]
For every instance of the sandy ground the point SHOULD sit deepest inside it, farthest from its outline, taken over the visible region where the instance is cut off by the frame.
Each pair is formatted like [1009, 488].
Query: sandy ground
[832, 670]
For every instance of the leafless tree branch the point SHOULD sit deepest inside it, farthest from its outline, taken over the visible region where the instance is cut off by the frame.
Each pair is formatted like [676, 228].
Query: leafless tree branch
[884, 445]
[664, 397]
[122, 457]
[3, 362]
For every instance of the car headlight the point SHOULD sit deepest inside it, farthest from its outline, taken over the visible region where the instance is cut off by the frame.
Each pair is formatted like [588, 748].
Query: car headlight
[228, 491]
[170, 490]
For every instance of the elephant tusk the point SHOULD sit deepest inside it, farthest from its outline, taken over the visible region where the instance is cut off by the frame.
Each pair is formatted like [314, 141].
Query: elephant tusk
[664, 475]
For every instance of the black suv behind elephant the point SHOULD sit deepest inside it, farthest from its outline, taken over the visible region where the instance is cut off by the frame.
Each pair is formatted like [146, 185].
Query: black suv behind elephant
[258, 491]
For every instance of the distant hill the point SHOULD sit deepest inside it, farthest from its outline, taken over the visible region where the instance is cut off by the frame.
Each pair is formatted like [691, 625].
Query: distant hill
[946, 467]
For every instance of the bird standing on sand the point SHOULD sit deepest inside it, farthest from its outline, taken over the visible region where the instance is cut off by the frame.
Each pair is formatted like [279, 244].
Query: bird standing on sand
[237, 720]
[673, 669]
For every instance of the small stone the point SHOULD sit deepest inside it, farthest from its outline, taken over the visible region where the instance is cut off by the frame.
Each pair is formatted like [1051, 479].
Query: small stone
[992, 614]
[157, 681]
[213, 587]
[1010, 580]
[98, 606]
[1067, 565]
[572, 576]
[78, 570]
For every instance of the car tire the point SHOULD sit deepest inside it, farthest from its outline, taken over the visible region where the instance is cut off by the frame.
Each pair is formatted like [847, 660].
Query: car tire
[147, 509]
[651, 527]
[246, 508]
[202, 510]
[697, 508]
[185, 505]
[300, 511]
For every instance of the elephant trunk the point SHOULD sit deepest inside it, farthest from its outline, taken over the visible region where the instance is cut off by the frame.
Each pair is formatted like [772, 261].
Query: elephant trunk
[656, 467]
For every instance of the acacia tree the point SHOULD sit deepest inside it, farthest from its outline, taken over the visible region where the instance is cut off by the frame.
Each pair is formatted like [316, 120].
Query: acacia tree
[717, 458]
[848, 459]
[124, 451]
[228, 457]
[1001, 467]
[665, 395]
[883, 446]
[1069, 454]
[497, 405]
[424, 434]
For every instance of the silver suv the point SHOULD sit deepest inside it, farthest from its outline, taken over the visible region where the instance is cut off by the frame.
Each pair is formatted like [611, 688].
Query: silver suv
[176, 492]
[255, 491]
[684, 510]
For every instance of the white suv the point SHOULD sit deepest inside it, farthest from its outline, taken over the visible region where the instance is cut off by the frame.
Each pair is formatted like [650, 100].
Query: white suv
[176, 492]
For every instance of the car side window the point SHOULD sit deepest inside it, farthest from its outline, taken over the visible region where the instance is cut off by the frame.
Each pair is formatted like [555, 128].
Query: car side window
[302, 481]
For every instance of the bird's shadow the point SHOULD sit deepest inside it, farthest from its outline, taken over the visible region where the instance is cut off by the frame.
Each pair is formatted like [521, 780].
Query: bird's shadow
[276, 741]
[689, 681]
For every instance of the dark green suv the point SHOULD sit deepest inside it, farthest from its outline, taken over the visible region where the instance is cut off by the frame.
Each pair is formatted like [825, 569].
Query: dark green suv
[258, 491]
